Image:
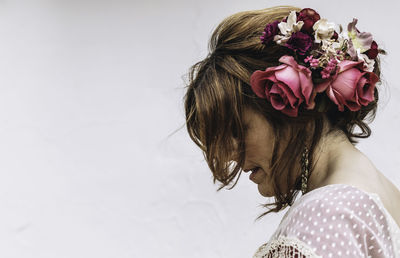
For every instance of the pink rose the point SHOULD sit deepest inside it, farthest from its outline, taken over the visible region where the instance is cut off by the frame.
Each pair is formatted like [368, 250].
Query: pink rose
[351, 86]
[286, 86]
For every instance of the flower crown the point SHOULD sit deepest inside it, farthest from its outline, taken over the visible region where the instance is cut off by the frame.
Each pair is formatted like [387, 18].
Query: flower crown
[324, 59]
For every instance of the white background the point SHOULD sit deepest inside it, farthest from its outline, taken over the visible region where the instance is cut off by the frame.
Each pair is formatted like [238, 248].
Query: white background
[90, 96]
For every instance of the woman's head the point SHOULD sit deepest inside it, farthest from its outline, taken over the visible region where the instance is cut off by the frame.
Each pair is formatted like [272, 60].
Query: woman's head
[239, 130]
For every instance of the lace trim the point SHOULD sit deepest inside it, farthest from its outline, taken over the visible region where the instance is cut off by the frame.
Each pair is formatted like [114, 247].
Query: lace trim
[285, 247]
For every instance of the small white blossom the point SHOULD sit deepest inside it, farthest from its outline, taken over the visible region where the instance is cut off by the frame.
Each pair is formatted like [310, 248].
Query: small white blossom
[341, 40]
[323, 30]
[288, 28]
[329, 47]
[368, 63]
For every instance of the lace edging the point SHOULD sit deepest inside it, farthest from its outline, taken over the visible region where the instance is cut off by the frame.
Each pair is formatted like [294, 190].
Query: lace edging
[280, 247]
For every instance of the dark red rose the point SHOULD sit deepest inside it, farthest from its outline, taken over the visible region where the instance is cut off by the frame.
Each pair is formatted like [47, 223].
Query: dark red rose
[372, 53]
[269, 32]
[335, 36]
[299, 42]
[309, 17]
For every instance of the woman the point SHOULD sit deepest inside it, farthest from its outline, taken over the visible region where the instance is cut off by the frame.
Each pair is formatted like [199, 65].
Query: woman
[280, 95]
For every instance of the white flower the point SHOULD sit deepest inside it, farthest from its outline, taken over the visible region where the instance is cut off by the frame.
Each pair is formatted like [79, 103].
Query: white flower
[368, 63]
[332, 46]
[356, 54]
[341, 40]
[287, 28]
[323, 30]
[329, 47]
[360, 40]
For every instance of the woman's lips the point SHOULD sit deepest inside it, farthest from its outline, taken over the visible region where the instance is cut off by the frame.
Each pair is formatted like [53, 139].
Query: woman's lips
[254, 174]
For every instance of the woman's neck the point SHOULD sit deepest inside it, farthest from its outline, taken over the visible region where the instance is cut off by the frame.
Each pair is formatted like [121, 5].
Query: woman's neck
[333, 153]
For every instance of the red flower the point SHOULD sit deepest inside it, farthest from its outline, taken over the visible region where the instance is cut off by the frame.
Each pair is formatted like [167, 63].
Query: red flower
[335, 36]
[372, 53]
[309, 17]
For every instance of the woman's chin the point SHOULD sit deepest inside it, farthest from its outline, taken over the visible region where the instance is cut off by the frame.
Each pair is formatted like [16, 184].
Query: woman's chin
[264, 192]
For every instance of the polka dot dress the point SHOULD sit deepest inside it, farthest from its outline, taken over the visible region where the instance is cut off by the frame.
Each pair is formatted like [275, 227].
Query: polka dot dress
[336, 220]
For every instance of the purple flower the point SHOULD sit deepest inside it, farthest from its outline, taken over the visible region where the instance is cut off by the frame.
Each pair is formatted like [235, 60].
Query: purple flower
[299, 42]
[269, 32]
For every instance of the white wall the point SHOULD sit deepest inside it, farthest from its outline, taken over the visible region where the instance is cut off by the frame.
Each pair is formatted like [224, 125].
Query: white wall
[90, 92]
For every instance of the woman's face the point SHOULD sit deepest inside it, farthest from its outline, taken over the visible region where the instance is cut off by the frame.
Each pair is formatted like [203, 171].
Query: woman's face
[259, 146]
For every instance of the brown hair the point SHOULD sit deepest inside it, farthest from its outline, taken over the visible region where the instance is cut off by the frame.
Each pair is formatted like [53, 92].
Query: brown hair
[219, 89]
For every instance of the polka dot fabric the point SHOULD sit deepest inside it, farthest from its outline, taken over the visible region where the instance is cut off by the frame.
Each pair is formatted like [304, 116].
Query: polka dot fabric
[336, 220]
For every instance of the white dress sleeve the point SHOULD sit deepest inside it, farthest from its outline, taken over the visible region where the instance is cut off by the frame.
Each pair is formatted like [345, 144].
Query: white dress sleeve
[332, 222]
